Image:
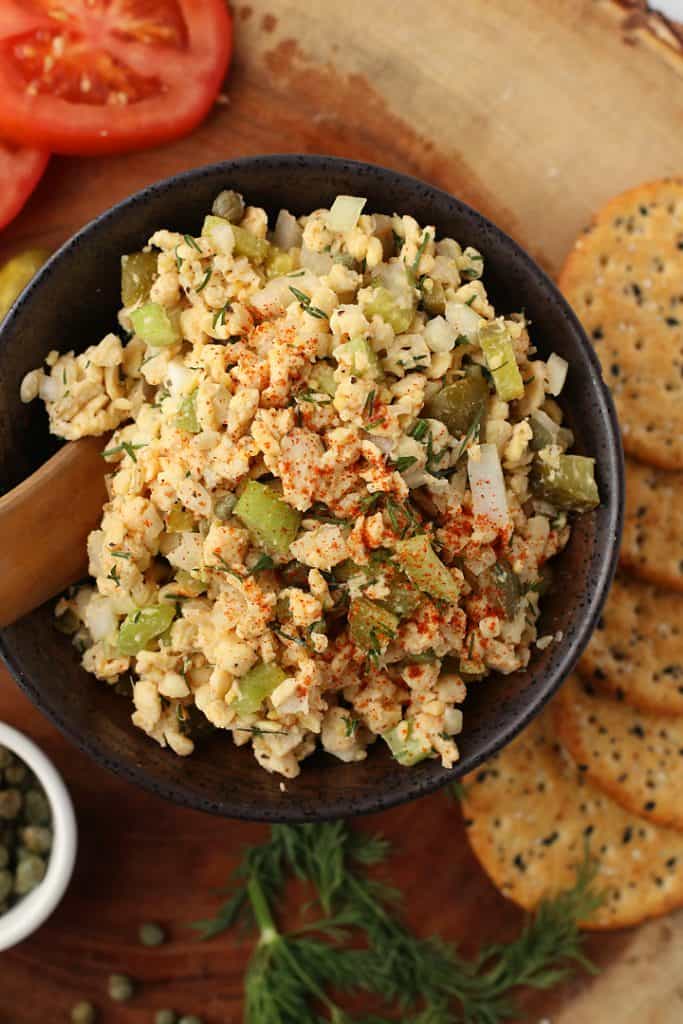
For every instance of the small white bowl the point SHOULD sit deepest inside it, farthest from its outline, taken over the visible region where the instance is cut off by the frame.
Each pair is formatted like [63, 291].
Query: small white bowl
[35, 908]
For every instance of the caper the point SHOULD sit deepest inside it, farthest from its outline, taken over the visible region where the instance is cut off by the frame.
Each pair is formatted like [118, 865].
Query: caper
[15, 772]
[120, 988]
[165, 1017]
[6, 885]
[151, 934]
[37, 808]
[229, 205]
[83, 1013]
[10, 803]
[224, 506]
[36, 838]
[30, 873]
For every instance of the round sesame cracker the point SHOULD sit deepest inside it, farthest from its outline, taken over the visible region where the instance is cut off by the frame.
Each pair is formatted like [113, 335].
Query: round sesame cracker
[624, 278]
[636, 757]
[636, 652]
[530, 813]
[652, 542]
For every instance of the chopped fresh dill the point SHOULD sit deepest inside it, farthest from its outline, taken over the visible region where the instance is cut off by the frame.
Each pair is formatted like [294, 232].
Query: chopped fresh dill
[205, 281]
[189, 240]
[125, 446]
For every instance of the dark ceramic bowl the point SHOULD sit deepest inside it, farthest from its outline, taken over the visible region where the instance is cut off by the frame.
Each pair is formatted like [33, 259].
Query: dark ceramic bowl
[73, 302]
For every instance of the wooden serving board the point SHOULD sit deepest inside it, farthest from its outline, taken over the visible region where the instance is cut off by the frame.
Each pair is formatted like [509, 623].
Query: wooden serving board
[534, 111]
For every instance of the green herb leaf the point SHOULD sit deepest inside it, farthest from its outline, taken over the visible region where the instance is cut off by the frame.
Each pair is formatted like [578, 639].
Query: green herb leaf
[189, 240]
[205, 281]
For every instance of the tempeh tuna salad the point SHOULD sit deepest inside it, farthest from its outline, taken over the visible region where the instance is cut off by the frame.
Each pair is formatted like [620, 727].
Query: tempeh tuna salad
[336, 479]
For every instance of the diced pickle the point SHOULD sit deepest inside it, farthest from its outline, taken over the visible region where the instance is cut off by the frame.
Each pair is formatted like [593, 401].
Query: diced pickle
[138, 271]
[502, 587]
[567, 482]
[229, 205]
[361, 355]
[279, 262]
[154, 325]
[186, 418]
[179, 520]
[403, 598]
[246, 244]
[407, 746]
[547, 432]
[382, 303]
[144, 625]
[272, 523]
[434, 298]
[16, 274]
[420, 563]
[257, 684]
[371, 626]
[459, 404]
[496, 344]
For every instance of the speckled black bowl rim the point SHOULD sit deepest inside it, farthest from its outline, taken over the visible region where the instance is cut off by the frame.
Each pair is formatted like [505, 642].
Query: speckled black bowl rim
[544, 686]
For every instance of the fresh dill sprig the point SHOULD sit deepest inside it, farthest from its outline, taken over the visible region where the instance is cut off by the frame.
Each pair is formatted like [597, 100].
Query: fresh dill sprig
[291, 975]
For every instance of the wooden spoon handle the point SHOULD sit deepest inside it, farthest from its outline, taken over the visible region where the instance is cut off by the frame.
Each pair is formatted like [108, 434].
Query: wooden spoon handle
[44, 525]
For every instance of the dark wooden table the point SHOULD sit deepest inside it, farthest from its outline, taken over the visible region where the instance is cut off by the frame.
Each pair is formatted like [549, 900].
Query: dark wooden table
[533, 111]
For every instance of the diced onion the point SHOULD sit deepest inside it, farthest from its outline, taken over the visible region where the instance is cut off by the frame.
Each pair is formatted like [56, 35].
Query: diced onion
[439, 335]
[287, 234]
[100, 618]
[274, 298]
[317, 262]
[487, 484]
[464, 319]
[344, 212]
[452, 721]
[556, 373]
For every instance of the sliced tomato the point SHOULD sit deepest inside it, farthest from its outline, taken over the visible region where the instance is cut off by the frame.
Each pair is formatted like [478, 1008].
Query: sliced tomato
[20, 171]
[106, 76]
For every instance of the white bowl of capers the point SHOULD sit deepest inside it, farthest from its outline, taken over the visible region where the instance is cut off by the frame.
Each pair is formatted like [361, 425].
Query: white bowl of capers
[37, 837]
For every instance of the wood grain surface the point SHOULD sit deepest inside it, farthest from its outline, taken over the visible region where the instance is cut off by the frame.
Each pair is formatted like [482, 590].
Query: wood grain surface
[534, 111]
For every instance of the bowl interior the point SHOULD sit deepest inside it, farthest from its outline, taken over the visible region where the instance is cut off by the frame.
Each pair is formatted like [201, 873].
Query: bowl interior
[74, 301]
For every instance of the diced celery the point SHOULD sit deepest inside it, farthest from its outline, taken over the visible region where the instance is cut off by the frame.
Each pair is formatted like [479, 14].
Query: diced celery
[154, 325]
[186, 418]
[420, 563]
[138, 271]
[322, 379]
[371, 626]
[257, 684]
[272, 523]
[344, 212]
[459, 404]
[568, 481]
[382, 303]
[179, 520]
[16, 274]
[496, 344]
[279, 262]
[360, 354]
[246, 244]
[407, 747]
[403, 598]
[142, 626]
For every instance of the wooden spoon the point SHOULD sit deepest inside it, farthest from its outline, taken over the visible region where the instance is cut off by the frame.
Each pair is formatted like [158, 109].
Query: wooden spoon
[44, 525]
